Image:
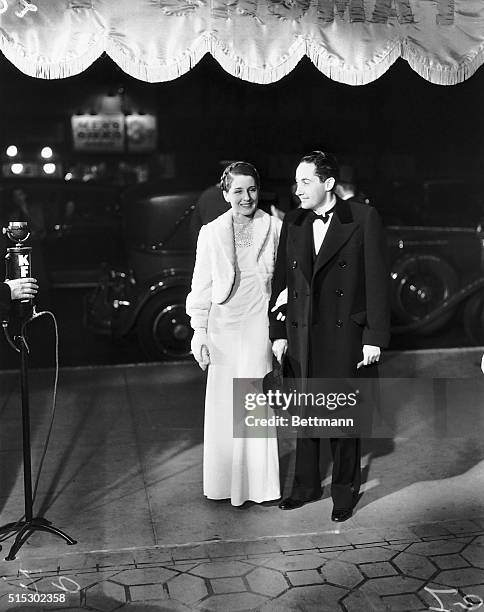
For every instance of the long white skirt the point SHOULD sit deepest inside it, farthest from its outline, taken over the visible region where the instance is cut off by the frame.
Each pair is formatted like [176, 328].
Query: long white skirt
[246, 468]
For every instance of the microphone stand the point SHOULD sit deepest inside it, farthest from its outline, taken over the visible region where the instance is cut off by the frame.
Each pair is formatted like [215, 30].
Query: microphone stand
[28, 525]
[25, 528]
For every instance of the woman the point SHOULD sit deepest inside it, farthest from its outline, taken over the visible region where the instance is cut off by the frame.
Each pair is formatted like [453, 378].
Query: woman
[228, 303]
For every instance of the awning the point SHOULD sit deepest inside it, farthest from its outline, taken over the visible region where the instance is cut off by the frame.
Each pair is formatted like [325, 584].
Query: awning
[350, 41]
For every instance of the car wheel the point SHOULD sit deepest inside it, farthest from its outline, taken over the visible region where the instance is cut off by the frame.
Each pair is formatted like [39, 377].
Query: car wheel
[163, 326]
[473, 316]
[420, 284]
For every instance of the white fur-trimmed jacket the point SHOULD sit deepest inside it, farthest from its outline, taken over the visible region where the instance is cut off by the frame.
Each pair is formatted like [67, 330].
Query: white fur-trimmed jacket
[214, 273]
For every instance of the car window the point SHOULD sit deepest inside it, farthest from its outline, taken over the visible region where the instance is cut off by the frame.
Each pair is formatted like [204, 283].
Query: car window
[459, 204]
[432, 203]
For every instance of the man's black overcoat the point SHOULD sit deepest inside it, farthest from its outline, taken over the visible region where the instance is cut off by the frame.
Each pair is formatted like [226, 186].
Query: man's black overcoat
[340, 300]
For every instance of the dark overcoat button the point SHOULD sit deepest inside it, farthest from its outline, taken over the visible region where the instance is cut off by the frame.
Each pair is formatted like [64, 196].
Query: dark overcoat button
[339, 292]
[294, 264]
[294, 294]
[294, 323]
[342, 263]
[339, 323]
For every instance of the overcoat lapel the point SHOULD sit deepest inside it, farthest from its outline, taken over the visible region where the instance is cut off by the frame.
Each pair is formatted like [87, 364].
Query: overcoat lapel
[339, 232]
[302, 238]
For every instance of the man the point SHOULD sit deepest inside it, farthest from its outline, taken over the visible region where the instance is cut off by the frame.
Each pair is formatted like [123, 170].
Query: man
[332, 262]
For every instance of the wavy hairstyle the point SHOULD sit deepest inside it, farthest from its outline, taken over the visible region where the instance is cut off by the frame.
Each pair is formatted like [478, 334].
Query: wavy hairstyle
[238, 167]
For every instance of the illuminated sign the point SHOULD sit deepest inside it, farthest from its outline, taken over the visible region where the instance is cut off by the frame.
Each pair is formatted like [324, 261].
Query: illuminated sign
[98, 133]
[104, 133]
[141, 133]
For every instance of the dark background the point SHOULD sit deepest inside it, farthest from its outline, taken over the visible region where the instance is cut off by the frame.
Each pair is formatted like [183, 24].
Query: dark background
[398, 128]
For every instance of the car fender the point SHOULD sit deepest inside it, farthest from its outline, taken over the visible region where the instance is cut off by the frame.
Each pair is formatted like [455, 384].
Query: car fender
[167, 279]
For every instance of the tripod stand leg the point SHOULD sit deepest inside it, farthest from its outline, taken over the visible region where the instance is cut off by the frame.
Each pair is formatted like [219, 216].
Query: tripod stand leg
[10, 527]
[26, 529]
[54, 530]
[22, 536]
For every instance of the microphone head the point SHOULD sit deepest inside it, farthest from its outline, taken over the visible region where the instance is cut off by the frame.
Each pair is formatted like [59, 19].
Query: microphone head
[17, 231]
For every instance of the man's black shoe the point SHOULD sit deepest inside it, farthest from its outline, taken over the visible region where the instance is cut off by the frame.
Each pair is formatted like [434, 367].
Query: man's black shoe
[291, 504]
[339, 516]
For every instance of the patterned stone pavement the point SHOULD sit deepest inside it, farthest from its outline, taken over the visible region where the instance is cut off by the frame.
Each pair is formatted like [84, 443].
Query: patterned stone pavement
[434, 566]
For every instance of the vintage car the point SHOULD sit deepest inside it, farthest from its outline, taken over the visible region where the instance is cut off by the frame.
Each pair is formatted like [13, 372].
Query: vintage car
[436, 243]
[147, 296]
[435, 232]
[74, 226]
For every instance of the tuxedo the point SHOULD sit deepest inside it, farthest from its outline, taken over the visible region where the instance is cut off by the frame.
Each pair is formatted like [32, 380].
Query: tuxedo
[337, 301]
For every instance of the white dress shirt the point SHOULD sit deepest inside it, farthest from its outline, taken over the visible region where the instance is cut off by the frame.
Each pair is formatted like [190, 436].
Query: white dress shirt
[320, 229]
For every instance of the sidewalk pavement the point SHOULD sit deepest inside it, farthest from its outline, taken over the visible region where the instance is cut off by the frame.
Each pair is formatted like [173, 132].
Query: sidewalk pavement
[123, 477]
[356, 570]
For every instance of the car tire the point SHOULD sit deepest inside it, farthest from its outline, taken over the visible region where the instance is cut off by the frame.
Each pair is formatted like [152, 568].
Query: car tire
[163, 326]
[473, 316]
[420, 284]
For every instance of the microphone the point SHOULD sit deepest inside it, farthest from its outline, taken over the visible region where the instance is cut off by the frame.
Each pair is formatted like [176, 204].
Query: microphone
[18, 263]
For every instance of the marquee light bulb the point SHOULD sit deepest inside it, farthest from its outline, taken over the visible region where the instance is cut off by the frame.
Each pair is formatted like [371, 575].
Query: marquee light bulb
[12, 150]
[17, 168]
[49, 168]
[46, 153]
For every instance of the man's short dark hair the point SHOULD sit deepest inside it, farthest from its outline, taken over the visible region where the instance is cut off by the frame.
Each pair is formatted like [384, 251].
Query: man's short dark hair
[325, 164]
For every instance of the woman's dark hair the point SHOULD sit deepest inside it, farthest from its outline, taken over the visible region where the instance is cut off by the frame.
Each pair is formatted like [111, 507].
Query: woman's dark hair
[325, 164]
[238, 167]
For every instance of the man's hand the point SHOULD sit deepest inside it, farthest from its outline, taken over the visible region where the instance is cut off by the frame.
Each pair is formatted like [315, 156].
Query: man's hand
[199, 348]
[371, 354]
[23, 288]
[281, 301]
[279, 348]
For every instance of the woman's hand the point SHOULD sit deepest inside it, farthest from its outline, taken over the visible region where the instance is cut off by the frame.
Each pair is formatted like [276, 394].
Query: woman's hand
[23, 288]
[199, 348]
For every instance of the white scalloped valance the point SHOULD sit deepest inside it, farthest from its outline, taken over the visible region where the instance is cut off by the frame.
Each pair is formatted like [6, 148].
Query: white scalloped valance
[350, 41]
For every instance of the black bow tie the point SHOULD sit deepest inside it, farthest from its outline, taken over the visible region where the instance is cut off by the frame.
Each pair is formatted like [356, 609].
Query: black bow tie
[312, 216]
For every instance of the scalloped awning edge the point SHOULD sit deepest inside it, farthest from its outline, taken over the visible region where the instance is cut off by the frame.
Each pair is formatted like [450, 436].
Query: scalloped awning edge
[39, 67]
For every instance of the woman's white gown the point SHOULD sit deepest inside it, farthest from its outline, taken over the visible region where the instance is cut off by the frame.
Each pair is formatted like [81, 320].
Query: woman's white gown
[241, 469]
